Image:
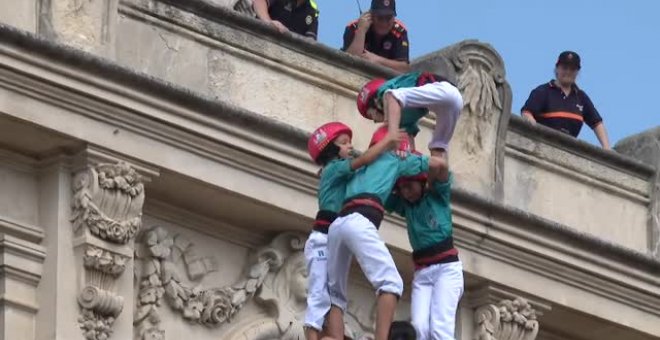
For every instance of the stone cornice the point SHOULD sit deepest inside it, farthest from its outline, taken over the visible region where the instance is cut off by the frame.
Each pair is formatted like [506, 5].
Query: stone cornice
[21, 230]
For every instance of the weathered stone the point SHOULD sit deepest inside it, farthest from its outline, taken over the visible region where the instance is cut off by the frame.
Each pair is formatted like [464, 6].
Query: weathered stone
[645, 147]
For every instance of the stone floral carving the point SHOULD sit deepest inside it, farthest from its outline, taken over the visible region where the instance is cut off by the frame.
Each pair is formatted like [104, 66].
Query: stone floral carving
[211, 307]
[94, 326]
[108, 201]
[104, 261]
[508, 320]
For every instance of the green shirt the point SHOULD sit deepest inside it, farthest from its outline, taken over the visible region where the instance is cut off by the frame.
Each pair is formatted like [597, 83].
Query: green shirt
[411, 116]
[332, 186]
[378, 178]
[429, 219]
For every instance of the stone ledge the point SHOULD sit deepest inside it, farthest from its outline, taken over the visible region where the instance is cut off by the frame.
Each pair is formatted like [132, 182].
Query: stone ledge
[145, 83]
[580, 147]
[326, 53]
[560, 232]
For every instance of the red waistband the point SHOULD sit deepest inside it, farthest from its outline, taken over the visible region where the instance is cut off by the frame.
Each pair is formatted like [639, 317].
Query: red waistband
[435, 259]
[363, 201]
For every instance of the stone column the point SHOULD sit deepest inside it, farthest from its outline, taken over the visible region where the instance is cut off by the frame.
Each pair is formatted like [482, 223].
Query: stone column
[90, 206]
[108, 195]
[21, 260]
[500, 314]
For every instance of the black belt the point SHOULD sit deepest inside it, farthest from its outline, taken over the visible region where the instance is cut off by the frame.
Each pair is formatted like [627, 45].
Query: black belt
[367, 205]
[324, 219]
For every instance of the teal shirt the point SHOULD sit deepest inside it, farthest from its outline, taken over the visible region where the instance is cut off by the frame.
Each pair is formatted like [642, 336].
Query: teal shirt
[411, 116]
[378, 178]
[429, 219]
[332, 186]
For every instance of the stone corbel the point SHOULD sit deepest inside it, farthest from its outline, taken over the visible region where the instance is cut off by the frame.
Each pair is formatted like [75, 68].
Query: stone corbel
[478, 71]
[500, 314]
[108, 195]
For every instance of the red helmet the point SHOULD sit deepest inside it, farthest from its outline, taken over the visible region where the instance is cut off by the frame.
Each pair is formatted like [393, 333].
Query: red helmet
[367, 95]
[421, 177]
[324, 135]
[381, 132]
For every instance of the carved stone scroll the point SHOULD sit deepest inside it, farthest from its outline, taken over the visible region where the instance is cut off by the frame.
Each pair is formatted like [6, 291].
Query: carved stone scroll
[106, 215]
[507, 320]
[478, 143]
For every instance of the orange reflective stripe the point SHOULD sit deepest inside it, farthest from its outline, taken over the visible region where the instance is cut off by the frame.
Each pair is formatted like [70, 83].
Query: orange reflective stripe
[568, 115]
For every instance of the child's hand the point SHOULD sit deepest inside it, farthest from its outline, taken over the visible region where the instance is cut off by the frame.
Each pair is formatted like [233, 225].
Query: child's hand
[394, 138]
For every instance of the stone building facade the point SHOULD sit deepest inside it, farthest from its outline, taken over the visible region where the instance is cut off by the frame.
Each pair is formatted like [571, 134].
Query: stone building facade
[154, 184]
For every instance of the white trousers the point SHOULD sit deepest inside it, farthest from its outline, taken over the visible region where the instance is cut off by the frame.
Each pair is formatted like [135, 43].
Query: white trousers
[356, 235]
[318, 299]
[443, 98]
[435, 294]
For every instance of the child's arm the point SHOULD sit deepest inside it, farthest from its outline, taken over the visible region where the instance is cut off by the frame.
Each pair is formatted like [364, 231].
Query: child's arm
[392, 112]
[438, 169]
[373, 152]
[394, 204]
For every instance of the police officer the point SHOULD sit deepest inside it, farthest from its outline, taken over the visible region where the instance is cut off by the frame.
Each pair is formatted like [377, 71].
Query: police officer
[560, 104]
[298, 16]
[379, 37]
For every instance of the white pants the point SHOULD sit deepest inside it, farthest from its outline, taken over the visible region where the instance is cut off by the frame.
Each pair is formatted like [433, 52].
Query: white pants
[318, 299]
[356, 235]
[435, 294]
[443, 98]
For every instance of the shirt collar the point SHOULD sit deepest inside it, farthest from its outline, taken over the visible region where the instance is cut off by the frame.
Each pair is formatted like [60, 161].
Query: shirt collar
[574, 87]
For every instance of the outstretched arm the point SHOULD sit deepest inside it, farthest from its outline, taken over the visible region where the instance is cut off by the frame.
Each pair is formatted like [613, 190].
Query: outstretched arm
[389, 142]
[601, 133]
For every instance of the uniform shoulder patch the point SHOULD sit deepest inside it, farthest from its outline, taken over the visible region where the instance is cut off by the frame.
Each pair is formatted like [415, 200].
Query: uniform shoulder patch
[399, 26]
[353, 24]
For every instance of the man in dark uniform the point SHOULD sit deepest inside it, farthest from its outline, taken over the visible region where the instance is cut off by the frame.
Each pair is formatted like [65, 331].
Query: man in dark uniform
[298, 16]
[560, 104]
[379, 37]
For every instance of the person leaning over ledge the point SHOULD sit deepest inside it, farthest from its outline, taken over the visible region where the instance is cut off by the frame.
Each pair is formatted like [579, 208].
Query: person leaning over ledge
[379, 37]
[298, 16]
[561, 105]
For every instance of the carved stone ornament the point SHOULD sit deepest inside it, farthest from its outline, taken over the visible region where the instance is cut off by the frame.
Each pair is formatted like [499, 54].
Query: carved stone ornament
[108, 201]
[106, 215]
[104, 261]
[508, 320]
[245, 7]
[211, 307]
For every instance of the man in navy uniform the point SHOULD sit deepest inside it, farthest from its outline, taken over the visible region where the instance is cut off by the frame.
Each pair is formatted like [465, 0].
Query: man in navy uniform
[560, 104]
[298, 16]
[379, 37]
